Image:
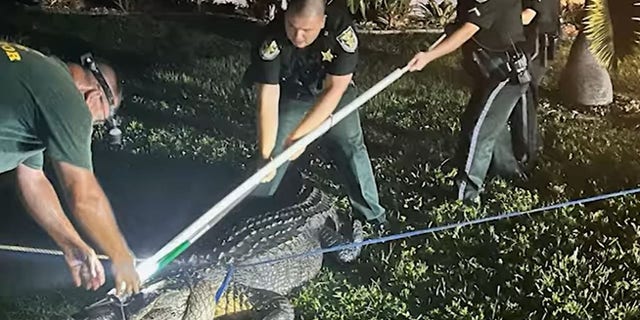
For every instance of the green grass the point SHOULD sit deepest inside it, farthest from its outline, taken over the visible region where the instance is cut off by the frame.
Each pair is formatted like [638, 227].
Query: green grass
[575, 263]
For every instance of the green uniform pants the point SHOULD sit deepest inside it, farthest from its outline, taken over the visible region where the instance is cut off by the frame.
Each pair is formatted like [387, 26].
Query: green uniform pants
[523, 129]
[346, 142]
[482, 140]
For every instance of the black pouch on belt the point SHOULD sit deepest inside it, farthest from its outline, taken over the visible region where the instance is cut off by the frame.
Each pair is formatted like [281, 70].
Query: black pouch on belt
[490, 65]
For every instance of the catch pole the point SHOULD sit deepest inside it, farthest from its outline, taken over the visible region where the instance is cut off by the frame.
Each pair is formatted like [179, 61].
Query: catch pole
[199, 227]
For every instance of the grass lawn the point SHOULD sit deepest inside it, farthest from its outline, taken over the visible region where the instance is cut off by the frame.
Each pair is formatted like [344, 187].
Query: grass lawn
[574, 263]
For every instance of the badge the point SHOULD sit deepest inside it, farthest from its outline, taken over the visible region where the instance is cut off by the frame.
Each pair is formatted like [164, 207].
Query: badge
[348, 40]
[474, 10]
[269, 50]
[327, 55]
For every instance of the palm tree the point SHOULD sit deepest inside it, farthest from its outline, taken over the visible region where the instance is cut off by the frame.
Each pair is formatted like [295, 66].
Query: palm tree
[609, 33]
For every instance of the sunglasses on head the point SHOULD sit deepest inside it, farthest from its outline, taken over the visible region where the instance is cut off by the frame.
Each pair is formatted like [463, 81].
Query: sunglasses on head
[115, 133]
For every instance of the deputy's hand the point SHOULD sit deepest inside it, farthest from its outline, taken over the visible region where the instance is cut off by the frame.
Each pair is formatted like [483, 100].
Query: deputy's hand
[287, 143]
[419, 61]
[127, 280]
[86, 269]
[271, 174]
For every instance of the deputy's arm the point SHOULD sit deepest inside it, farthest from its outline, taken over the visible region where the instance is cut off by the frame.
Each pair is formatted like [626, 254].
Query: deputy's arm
[42, 204]
[90, 206]
[455, 40]
[527, 16]
[448, 45]
[268, 99]
[334, 88]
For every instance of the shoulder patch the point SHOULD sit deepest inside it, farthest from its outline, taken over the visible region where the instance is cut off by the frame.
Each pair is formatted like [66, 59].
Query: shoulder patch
[269, 50]
[481, 1]
[348, 40]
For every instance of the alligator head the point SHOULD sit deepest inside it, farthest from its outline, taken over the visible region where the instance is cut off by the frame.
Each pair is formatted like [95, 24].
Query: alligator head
[186, 289]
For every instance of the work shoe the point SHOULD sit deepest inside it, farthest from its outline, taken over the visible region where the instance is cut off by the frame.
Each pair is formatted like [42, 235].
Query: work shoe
[376, 228]
[474, 203]
[371, 228]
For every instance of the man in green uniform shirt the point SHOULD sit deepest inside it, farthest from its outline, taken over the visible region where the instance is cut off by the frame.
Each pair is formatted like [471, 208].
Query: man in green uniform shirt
[487, 31]
[49, 107]
[303, 67]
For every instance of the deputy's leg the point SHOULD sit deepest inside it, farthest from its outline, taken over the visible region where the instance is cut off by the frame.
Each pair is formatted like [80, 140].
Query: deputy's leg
[524, 122]
[503, 160]
[512, 144]
[290, 113]
[353, 162]
[483, 123]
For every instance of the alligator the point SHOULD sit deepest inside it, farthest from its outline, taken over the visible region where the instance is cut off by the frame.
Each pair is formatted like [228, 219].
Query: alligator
[186, 289]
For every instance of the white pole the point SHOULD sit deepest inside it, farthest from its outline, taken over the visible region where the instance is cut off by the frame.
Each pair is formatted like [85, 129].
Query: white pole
[199, 227]
[218, 211]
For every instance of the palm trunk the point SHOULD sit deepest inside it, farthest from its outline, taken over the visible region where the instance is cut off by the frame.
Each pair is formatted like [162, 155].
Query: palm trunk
[584, 81]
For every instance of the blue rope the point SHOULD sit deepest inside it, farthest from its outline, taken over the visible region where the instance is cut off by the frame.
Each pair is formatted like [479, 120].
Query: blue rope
[422, 232]
[225, 283]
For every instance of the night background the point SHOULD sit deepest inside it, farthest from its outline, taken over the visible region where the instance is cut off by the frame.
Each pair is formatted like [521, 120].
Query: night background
[189, 139]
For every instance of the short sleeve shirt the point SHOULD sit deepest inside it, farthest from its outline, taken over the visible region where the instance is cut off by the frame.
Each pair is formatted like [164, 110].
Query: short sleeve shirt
[301, 71]
[500, 22]
[41, 111]
[547, 17]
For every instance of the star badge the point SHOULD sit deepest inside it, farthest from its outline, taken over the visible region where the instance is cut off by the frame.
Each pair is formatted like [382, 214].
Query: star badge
[269, 50]
[327, 55]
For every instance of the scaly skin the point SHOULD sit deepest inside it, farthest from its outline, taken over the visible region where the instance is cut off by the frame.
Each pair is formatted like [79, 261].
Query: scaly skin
[186, 290]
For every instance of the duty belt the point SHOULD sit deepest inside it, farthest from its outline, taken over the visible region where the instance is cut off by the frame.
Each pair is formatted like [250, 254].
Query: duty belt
[505, 65]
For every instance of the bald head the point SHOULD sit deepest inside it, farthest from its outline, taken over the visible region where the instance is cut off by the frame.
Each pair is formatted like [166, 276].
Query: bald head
[306, 7]
[304, 21]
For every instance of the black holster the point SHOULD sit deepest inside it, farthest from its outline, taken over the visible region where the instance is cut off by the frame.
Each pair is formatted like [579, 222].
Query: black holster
[548, 42]
[542, 46]
[504, 65]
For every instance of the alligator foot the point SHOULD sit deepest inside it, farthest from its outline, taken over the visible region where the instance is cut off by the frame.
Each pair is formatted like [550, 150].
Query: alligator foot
[272, 306]
[331, 237]
[241, 303]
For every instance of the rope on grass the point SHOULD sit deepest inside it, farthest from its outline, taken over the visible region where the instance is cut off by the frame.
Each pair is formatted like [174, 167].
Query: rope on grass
[232, 269]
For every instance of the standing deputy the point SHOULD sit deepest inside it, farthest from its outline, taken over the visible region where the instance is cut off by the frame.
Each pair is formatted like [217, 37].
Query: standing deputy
[542, 29]
[541, 19]
[303, 67]
[488, 32]
[48, 107]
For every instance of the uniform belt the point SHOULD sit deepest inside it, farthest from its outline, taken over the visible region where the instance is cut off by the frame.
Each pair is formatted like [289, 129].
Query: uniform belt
[297, 93]
[505, 65]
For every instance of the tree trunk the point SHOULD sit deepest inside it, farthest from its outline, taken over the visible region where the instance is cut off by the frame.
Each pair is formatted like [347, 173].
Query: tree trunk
[584, 81]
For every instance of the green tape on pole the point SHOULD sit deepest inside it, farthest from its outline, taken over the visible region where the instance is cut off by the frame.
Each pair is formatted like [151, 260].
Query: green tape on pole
[173, 254]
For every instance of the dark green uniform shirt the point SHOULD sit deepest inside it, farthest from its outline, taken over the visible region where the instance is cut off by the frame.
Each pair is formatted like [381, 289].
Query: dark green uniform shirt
[500, 22]
[547, 18]
[40, 109]
[301, 72]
